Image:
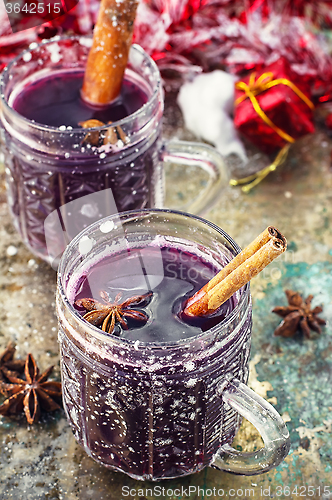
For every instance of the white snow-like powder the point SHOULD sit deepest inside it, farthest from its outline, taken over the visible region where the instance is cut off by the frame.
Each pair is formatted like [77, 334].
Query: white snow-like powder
[189, 366]
[27, 56]
[54, 49]
[85, 245]
[191, 382]
[107, 227]
[11, 250]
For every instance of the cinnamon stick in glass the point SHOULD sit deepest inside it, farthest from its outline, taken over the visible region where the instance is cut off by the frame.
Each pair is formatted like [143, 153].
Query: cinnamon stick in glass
[108, 56]
[247, 264]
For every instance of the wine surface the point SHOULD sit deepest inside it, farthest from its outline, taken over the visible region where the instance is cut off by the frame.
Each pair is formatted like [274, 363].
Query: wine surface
[172, 275]
[55, 101]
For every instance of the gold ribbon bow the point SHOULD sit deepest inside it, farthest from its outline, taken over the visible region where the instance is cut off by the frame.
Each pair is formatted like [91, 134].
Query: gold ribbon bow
[251, 89]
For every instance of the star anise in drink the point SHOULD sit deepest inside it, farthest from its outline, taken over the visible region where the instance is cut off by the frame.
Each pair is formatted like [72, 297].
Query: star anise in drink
[106, 315]
[92, 137]
[110, 135]
[32, 393]
[298, 315]
[9, 365]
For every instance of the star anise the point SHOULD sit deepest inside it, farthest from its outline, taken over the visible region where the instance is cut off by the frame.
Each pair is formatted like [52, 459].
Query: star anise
[298, 315]
[110, 135]
[8, 365]
[107, 315]
[32, 394]
[93, 137]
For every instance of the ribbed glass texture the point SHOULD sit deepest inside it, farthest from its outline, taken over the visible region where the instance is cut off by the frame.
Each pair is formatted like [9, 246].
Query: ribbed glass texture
[151, 410]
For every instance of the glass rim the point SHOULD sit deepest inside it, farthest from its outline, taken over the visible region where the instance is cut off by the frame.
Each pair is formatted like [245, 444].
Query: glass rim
[120, 341]
[47, 128]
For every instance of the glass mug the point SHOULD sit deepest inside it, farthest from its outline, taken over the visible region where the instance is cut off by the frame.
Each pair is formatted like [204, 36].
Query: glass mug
[48, 167]
[157, 410]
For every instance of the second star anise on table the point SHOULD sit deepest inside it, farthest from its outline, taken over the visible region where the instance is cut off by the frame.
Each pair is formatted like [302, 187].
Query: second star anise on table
[107, 315]
[31, 394]
[9, 365]
[298, 315]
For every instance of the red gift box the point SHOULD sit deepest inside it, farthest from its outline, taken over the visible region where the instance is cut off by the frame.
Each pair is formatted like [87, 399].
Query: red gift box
[273, 107]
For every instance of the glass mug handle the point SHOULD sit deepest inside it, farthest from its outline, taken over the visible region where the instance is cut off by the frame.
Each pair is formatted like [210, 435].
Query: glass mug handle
[194, 154]
[266, 420]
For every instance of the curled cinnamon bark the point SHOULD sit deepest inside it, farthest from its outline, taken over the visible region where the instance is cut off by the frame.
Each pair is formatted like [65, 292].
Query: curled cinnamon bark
[247, 264]
[108, 55]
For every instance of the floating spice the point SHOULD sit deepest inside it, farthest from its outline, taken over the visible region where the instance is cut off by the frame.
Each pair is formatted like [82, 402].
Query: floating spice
[111, 135]
[107, 315]
[252, 260]
[92, 137]
[298, 316]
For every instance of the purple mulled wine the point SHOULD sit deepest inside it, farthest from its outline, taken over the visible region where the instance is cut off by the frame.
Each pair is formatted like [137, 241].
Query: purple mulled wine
[139, 380]
[147, 391]
[56, 101]
[157, 283]
[59, 149]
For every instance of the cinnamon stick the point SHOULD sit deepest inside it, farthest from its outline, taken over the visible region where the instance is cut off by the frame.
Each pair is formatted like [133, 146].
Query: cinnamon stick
[247, 264]
[108, 56]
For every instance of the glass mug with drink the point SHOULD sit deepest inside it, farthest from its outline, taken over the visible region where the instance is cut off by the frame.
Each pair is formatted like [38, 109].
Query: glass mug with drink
[148, 391]
[59, 149]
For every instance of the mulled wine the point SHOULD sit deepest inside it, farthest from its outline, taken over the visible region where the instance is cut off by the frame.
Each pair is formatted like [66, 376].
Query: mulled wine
[55, 157]
[56, 101]
[52, 160]
[145, 393]
[144, 401]
[164, 415]
[41, 183]
[165, 277]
